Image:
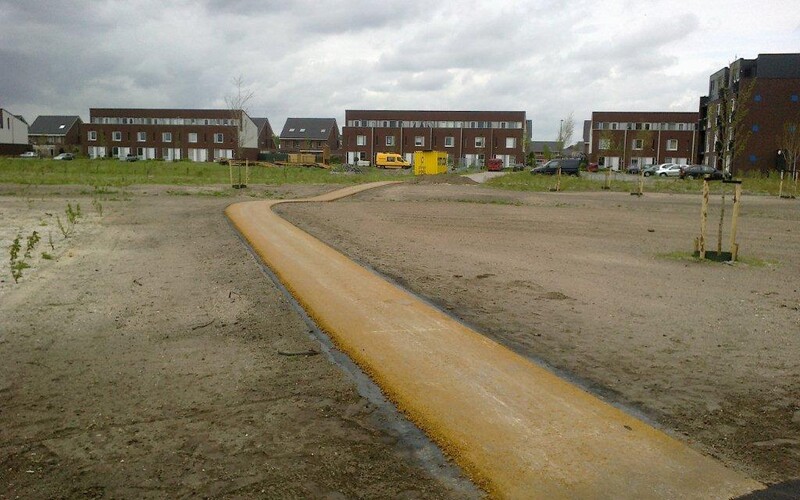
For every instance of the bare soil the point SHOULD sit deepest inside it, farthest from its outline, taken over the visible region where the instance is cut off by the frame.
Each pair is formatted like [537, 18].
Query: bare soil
[151, 357]
[597, 286]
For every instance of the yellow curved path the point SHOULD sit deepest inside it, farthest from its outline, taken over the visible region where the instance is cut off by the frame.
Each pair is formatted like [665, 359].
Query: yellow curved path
[517, 429]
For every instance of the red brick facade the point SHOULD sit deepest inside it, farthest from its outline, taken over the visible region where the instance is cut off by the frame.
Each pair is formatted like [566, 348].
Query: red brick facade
[468, 137]
[621, 138]
[169, 134]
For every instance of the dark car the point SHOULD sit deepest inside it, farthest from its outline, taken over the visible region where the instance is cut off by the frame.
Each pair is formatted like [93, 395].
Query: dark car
[700, 172]
[568, 167]
[633, 169]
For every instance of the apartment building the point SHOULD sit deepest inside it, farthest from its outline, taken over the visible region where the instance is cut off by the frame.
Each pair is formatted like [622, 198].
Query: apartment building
[266, 142]
[618, 139]
[310, 135]
[13, 133]
[767, 89]
[170, 134]
[468, 137]
[51, 135]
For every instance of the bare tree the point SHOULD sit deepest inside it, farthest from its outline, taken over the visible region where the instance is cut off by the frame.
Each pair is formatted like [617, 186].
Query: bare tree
[731, 133]
[789, 145]
[237, 105]
[565, 131]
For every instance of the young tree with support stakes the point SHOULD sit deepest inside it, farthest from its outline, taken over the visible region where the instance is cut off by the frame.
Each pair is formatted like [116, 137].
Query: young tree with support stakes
[237, 106]
[608, 143]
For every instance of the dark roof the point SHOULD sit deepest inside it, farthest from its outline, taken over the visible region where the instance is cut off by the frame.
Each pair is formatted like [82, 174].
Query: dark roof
[318, 129]
[53, 125]
[261, 123]
[539, 145]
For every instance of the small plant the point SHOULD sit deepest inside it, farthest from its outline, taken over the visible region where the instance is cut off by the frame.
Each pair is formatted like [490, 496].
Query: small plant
[14, 249]
[98, 207]
[16, 265]
[47, 256]
[16, 269]
[50, 241]
[33, 239]
[73, 214]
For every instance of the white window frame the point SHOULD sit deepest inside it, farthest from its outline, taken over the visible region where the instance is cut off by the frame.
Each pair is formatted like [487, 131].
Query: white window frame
[637, 144]
[166, 136]
[193, 137]
[604, 144]
[141, 136]
[116, 136]
[219, 138]
[361, 140]
[480, 142]
[672, 144]
[511, 142]
[390, 140]
[92, 135]
[419, 141]
[449, 141]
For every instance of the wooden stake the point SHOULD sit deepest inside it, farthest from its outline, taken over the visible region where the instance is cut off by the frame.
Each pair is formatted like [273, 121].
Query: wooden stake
[558, 180]
[780, 186]
[641, 181]
[737, 201]
[721, 222]
[230, 172]
[703, 221]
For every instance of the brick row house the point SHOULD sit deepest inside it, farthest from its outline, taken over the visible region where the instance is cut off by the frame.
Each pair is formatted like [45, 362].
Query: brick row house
[173, 134]
[310, 135]
[13, 133]
[51, 135]
[618, 139]
[771, 85]
[468, 137]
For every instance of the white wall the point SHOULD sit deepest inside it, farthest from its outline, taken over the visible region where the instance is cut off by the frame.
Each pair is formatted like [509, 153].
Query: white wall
[14, 130]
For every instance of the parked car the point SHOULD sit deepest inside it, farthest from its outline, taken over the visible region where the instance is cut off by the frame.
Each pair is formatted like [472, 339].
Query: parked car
[518, 167]
[494, 164]
[668, 170]
[634, 169]
[568, 166]
[592, 167]
[129, 158]
[700, 171]
[649, 170]
[64, 156]
[29, 154]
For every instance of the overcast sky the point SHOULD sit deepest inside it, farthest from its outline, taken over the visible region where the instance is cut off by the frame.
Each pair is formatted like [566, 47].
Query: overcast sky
[316, 58]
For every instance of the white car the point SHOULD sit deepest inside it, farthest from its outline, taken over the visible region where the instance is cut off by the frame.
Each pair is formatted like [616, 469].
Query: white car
[668, 170]
[28, 154]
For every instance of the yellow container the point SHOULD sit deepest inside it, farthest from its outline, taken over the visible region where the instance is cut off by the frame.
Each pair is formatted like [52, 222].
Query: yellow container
[430, 162]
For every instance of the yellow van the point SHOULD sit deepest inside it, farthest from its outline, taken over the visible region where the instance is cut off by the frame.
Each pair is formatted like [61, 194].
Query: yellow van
[390, 160]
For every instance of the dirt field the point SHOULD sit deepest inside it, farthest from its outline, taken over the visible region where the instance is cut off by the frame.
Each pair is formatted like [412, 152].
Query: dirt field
[593, 285]
[151, 357]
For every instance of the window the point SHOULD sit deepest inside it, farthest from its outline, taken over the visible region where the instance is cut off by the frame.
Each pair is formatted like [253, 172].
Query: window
[449, 142]
[218, 138]
[166, 137]
[638, 143]
[511, 142]
[302, 130]
[361, 140]
[116, 136]
[141, 136]
[92, 135]
[419, 140]
[604, 144]
[390, 140]
[480, 142]
[672, 145]
[192, 137]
